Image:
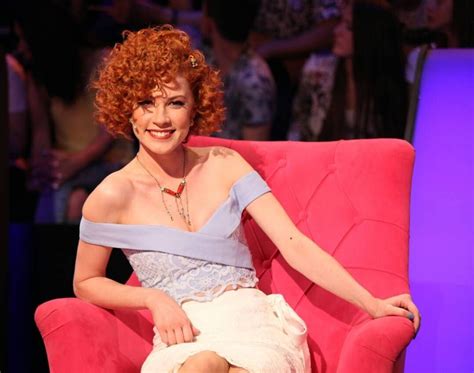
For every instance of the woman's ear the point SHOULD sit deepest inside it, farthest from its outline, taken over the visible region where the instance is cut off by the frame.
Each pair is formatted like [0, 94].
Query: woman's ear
[135, 129]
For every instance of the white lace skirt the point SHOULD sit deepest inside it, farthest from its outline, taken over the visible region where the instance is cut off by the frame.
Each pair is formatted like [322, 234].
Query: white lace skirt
[258, 332]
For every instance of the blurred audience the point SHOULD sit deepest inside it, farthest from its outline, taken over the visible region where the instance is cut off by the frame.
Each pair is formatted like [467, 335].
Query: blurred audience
[249, 88]
[450, 24]
[184, 14]
[285, 33]
[70, 155]
[348, 76]
[22, 200]
[365, 95]
[454, 20]
[17, 108]
[412, 14]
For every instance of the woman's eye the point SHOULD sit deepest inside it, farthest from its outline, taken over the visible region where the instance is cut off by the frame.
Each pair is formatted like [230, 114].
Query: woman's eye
[178, 103]
[145, 103]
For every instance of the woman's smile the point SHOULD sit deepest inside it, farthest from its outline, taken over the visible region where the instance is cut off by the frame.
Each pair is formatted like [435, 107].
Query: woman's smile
[160, 134]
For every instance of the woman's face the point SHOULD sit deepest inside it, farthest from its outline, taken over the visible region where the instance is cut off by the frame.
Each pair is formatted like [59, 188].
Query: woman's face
[440, 14]
[343, 41]
[162, 121]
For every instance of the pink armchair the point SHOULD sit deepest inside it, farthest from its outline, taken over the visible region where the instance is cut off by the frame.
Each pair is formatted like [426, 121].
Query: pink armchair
[351, 197]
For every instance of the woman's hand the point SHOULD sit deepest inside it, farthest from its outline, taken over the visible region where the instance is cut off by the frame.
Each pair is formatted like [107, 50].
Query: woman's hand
[40, 175]
[399, 305]
[170, 320]
[54, 167]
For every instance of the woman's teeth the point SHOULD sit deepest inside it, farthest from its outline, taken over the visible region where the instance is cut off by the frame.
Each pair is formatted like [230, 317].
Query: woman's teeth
[161, 134]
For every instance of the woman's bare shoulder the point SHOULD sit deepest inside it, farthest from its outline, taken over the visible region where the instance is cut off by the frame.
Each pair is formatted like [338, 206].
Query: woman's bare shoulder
[109, 198]
[227, 162]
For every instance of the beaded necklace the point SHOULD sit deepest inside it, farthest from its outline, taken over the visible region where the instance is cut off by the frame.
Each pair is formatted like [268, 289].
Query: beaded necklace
[182, 211]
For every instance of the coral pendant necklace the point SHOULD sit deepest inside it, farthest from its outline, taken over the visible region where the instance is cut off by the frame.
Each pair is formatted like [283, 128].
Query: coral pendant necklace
[182, 211]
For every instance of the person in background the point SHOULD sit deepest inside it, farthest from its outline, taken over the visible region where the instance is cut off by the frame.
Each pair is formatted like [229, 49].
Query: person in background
[365, 96]
[453, 19]
[451, 25]
[412, 14]
[249, 88]
[22, 201]
[70, 155]
[286, 33]
[17, 108]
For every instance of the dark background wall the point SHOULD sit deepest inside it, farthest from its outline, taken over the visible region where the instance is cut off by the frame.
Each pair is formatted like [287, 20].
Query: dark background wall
[41, 266]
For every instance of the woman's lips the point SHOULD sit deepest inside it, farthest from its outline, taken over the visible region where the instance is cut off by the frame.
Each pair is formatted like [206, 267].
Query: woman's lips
[161, 134]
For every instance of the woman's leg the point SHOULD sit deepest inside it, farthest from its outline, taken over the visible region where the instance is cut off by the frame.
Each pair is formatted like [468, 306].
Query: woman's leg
[205, 362]
[234, 369]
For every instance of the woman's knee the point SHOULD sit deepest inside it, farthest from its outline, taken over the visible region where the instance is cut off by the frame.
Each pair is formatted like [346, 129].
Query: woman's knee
[205, 361]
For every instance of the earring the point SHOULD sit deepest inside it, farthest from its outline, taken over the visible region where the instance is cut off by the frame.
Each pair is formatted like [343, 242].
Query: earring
[133, 124]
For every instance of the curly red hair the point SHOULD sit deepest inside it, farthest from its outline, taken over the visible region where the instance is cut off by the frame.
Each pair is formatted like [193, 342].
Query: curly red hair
[146, 60]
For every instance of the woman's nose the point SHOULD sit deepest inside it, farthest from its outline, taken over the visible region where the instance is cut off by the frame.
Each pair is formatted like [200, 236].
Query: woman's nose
[160, 116]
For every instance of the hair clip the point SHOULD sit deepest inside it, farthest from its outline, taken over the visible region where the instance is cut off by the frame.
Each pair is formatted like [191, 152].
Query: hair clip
[193, 60]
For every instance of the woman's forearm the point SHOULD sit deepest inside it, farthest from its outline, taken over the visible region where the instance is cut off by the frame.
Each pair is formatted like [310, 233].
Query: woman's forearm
[110, 294]
[38, 103]
[316, 39]
[321, 268]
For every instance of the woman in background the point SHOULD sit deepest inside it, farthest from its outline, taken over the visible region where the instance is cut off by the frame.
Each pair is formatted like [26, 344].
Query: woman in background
[365, 95]
[70, 154]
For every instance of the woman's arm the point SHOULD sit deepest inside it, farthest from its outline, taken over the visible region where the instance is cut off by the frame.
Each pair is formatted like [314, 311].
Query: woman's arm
[91, 284]
[38, 103]
[317, 38]
[308, 258]
[65, 165]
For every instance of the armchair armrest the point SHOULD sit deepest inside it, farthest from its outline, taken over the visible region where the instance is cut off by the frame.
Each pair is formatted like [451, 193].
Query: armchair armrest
[81, 337]
[376, 345]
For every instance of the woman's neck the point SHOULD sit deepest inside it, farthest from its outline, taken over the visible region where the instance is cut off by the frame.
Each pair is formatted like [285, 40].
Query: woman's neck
[164, 165]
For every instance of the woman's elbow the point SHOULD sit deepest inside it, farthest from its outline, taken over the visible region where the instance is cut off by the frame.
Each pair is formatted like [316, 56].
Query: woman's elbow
[76, 288]
[79, 288]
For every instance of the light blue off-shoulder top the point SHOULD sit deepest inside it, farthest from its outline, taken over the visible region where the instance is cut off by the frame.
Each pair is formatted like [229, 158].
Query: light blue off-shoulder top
[188, 265]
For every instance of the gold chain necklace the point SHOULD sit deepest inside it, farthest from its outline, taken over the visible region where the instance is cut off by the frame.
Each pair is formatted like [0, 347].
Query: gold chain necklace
[184, 213]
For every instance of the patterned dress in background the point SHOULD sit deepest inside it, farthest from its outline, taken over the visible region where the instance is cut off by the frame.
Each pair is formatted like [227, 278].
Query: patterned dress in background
[284, 18]
[249, 95]
[313, 98]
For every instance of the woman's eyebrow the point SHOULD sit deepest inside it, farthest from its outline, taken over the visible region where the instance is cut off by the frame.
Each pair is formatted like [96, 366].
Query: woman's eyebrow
[176, 96]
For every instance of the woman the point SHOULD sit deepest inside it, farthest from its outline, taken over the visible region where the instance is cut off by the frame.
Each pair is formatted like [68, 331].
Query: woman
[175, 210]
[70, 155]
[364, 95]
